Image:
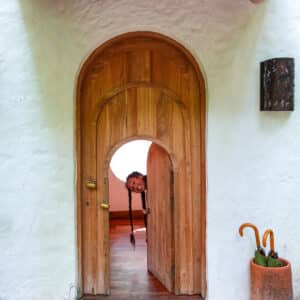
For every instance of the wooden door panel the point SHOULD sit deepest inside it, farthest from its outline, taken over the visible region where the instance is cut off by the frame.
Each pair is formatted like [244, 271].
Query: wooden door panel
[160, 232]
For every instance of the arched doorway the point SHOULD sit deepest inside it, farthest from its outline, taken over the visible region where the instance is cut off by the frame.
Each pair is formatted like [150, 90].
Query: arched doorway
[141, 85]
[134, 267]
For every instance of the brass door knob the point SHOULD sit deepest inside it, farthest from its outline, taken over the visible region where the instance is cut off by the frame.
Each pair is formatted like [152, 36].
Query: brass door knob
[104, 205]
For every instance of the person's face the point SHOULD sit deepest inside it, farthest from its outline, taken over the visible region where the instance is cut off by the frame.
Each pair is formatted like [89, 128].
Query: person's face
[136, 184]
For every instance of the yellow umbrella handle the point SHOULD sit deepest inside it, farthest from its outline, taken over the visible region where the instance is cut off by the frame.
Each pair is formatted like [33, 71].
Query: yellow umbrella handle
[255, 231]
[265, 236]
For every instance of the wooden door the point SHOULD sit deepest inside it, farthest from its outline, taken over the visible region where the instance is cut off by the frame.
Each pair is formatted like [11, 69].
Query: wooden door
[141, 85]
[160, 231]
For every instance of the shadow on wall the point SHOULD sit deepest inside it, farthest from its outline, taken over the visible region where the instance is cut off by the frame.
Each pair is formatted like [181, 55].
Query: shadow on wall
[55, 70]
[236, 65]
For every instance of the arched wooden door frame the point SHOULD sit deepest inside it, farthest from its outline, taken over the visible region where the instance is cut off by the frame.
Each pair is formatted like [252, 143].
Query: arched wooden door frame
[202, 170]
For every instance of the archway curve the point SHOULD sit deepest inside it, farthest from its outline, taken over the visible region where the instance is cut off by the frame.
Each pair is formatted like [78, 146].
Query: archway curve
[143, 33]
[195, 147]
[106, 98]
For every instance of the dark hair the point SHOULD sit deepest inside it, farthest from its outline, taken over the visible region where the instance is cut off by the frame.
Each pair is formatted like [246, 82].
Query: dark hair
[134, 175]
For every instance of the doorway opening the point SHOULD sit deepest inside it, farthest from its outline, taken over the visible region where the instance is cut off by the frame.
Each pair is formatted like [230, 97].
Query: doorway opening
[141, 85]
[148, 264]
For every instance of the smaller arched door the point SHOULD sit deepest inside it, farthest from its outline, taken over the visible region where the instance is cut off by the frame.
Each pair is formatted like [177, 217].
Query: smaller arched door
[160, 231]
[160, 118]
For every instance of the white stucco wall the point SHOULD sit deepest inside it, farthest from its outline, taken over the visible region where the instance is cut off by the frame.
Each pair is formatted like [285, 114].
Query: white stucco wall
[253, 157]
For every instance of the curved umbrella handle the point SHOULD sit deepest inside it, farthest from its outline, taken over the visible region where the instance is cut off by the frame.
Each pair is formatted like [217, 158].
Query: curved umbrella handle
[265, 236]
[255, 231]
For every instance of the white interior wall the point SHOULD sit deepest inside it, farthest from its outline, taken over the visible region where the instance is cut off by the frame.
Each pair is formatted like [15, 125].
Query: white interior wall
[253, 157]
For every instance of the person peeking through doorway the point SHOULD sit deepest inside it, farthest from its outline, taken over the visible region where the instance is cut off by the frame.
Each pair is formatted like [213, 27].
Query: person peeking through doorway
[137, 183]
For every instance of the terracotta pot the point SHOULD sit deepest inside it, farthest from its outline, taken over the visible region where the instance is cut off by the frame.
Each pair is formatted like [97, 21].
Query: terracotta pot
[269, 283]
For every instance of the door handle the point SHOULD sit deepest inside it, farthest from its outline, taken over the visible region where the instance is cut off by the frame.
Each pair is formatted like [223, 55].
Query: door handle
[104, 205]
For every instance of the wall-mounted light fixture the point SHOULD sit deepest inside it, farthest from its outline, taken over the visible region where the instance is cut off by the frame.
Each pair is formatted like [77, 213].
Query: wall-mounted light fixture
[277, 84]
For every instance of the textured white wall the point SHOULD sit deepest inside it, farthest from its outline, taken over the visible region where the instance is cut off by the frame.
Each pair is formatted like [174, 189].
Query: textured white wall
[253, 157]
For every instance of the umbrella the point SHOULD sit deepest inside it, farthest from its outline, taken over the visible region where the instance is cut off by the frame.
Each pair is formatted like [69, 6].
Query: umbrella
[272, 259]
[259, 255]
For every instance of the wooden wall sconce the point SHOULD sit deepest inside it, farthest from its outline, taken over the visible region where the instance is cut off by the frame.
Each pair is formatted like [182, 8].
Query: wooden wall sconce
[277, 84]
